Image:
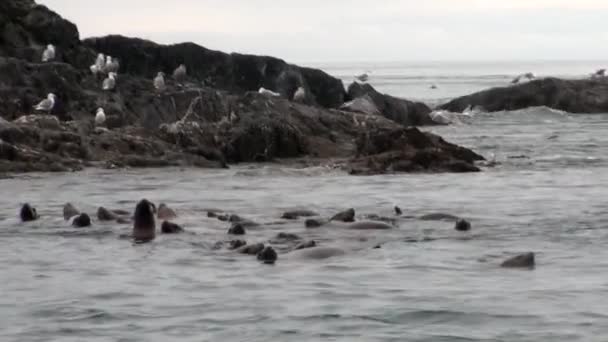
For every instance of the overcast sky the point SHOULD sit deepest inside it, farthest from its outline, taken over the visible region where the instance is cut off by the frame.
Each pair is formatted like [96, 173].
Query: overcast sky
[359, 30]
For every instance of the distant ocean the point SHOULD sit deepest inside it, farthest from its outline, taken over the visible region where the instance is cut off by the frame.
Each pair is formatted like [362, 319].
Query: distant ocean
[413, 80]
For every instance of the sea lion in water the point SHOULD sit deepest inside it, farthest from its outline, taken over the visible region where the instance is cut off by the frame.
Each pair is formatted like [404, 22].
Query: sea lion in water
[267, 255]
[237, 229]
[251, 249]
[69, 211]
[296, 214]
[345, 216]
[81, 221]
[306, 244]
[398, 211]
[171, 228]
[439, 217]
[235, 244]
[144, 227]
[28, 213]
[370, 225]
[165, 213]
[462, 225]
[315, 223]
[317, 253]
[520, 261]
[119, 216]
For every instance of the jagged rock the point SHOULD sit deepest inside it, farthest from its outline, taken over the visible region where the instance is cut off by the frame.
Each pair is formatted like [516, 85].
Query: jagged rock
[573, 96]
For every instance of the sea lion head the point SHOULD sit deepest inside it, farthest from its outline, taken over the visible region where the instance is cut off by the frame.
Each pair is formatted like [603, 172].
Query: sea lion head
[144, 227]
[69, 211]
[28, 213]
[165, 213]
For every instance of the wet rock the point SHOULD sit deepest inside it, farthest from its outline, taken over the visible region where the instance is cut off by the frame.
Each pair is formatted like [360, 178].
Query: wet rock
[236, 244]
[439, 217]
[370, 225]
[462, 225]
[526, 260]
[28, 213]
[81, 221]
[237, 229]
[251, 249]
[573, 96]
[315, 223]
[306, 244]
[268, 255]
[165, 213]
[171, 228]
[404, 112]
[69, 211]
[345, 216]
[296, 214]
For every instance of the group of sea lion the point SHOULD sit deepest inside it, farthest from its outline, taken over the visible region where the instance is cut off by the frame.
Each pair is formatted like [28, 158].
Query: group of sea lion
[146, 213]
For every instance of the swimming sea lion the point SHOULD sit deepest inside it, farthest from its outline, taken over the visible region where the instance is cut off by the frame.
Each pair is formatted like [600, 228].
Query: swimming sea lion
[315, 223]
[171, 228]
[69, 211]
[398, 211]
[251, 249]
[520, 261]
[345, 216]
[370, 225]
[81, 221]
[462, 225]
[439, 217]
[28, 213]
[267, 255]
[234, 244]
[317, 253]
[306, 244]
[296, 214]
[237, 229]
[144, 227]
[165, 213]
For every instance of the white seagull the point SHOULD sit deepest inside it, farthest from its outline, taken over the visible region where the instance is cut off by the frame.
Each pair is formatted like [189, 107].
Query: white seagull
[180, 74]
[267, 92]
[300, 95]
[159, 81]
[100, 117]
[112, 65]
[49, 53]
[47, 104]
[110, 82]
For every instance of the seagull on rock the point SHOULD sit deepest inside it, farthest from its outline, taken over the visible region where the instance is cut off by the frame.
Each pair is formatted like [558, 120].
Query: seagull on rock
[47, 104]
[159, 81]
[179, 75]
[49, 53]
[112, 65]
[267, 92]
[110, 82]
[100, 117]
[300, 95]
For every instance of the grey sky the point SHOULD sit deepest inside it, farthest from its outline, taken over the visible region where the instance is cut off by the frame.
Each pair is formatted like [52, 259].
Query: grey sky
[359, 30]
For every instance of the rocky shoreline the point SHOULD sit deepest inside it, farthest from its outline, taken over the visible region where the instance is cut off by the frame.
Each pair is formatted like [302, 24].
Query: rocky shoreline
[214, 118]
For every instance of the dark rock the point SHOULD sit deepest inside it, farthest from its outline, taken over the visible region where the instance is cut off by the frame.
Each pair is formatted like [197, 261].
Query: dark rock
[28, 213]
[315, 223]
[345, 216]
[81, 221]
[573, 96]
[520, 261]
[236, 244]
[296, 214]
[462, 225]
[251, 249]
[237, 229]
[171, 228]
[232, 72]
[69, 211]
[268, 255]
[371, 102]
[306, 244]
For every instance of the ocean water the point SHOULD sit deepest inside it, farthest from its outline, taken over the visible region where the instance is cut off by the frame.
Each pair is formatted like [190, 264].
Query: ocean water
[427, 283]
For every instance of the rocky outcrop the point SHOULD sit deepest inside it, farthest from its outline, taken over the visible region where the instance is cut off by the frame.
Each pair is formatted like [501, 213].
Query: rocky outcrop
[235, 73]
[573, 96]
[365, 99]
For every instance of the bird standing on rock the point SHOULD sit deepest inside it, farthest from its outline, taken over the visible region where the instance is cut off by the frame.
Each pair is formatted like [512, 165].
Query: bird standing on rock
[112, 65]
[47, 104]
[159, 81]
[300, 95]
[49, 53]
[100, 117]
[110, 82]
[267, 92]
[179, 75]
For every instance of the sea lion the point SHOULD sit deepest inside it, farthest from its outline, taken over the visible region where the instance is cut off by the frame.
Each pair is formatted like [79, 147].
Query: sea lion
[165, 213]
[81, 221]
[237, 229]
[306, 244]
[526, 260]
[287, 237]
[144, 227]
[120, 216]
[370, 225]
[462, 225]
[438, 217]
[28, 213]
[235, 244]
[345, 216]
[69, 211]
[398, 211]
[267, 255]
[296, 214]
[251, 249]
[171, 228]
[315, 223]
[317, 253]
